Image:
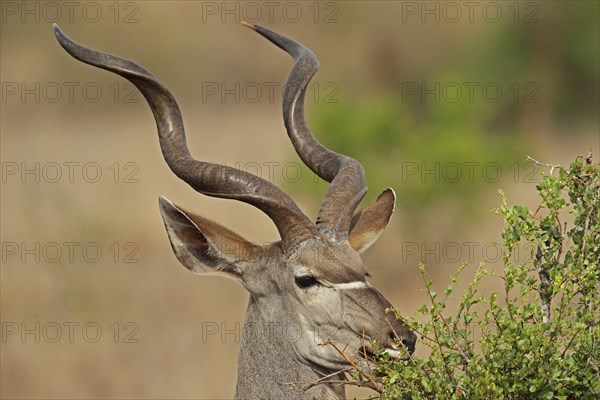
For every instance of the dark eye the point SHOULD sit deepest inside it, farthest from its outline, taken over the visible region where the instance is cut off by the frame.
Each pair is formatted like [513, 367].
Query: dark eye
[306, 281]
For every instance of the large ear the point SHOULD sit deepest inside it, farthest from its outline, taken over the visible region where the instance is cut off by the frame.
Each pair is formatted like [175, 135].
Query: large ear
[203, 246]
[367, 225]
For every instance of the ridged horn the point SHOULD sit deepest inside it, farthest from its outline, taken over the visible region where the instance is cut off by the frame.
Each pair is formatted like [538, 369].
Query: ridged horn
[207, 178]
[345, 174]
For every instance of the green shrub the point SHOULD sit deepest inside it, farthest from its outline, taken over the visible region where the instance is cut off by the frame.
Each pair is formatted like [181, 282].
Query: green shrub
[539, 338]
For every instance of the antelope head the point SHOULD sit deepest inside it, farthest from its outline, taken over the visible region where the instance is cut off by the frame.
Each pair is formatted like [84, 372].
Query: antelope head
[312, 284]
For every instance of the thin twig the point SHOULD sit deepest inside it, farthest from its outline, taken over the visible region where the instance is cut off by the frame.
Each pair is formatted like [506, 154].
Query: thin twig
[375, 387]
[456, 345]
[551, 166]
[368, 385]
[325, 379]
[437, 339]
[365, 351]
[335, 373]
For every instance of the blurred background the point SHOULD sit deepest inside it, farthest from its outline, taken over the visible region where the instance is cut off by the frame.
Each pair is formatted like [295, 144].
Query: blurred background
[441, 101]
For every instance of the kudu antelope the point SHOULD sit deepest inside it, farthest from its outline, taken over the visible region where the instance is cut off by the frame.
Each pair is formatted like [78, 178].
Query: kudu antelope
[312, 282]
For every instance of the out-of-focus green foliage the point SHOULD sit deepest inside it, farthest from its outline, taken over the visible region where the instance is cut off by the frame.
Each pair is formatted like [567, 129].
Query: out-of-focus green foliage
[451, 153]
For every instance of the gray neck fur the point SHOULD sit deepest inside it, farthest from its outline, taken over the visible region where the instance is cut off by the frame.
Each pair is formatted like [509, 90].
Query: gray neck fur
[268, 363]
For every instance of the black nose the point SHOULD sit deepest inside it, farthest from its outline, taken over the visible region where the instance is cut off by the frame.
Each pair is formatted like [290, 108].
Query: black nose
[408, 339]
